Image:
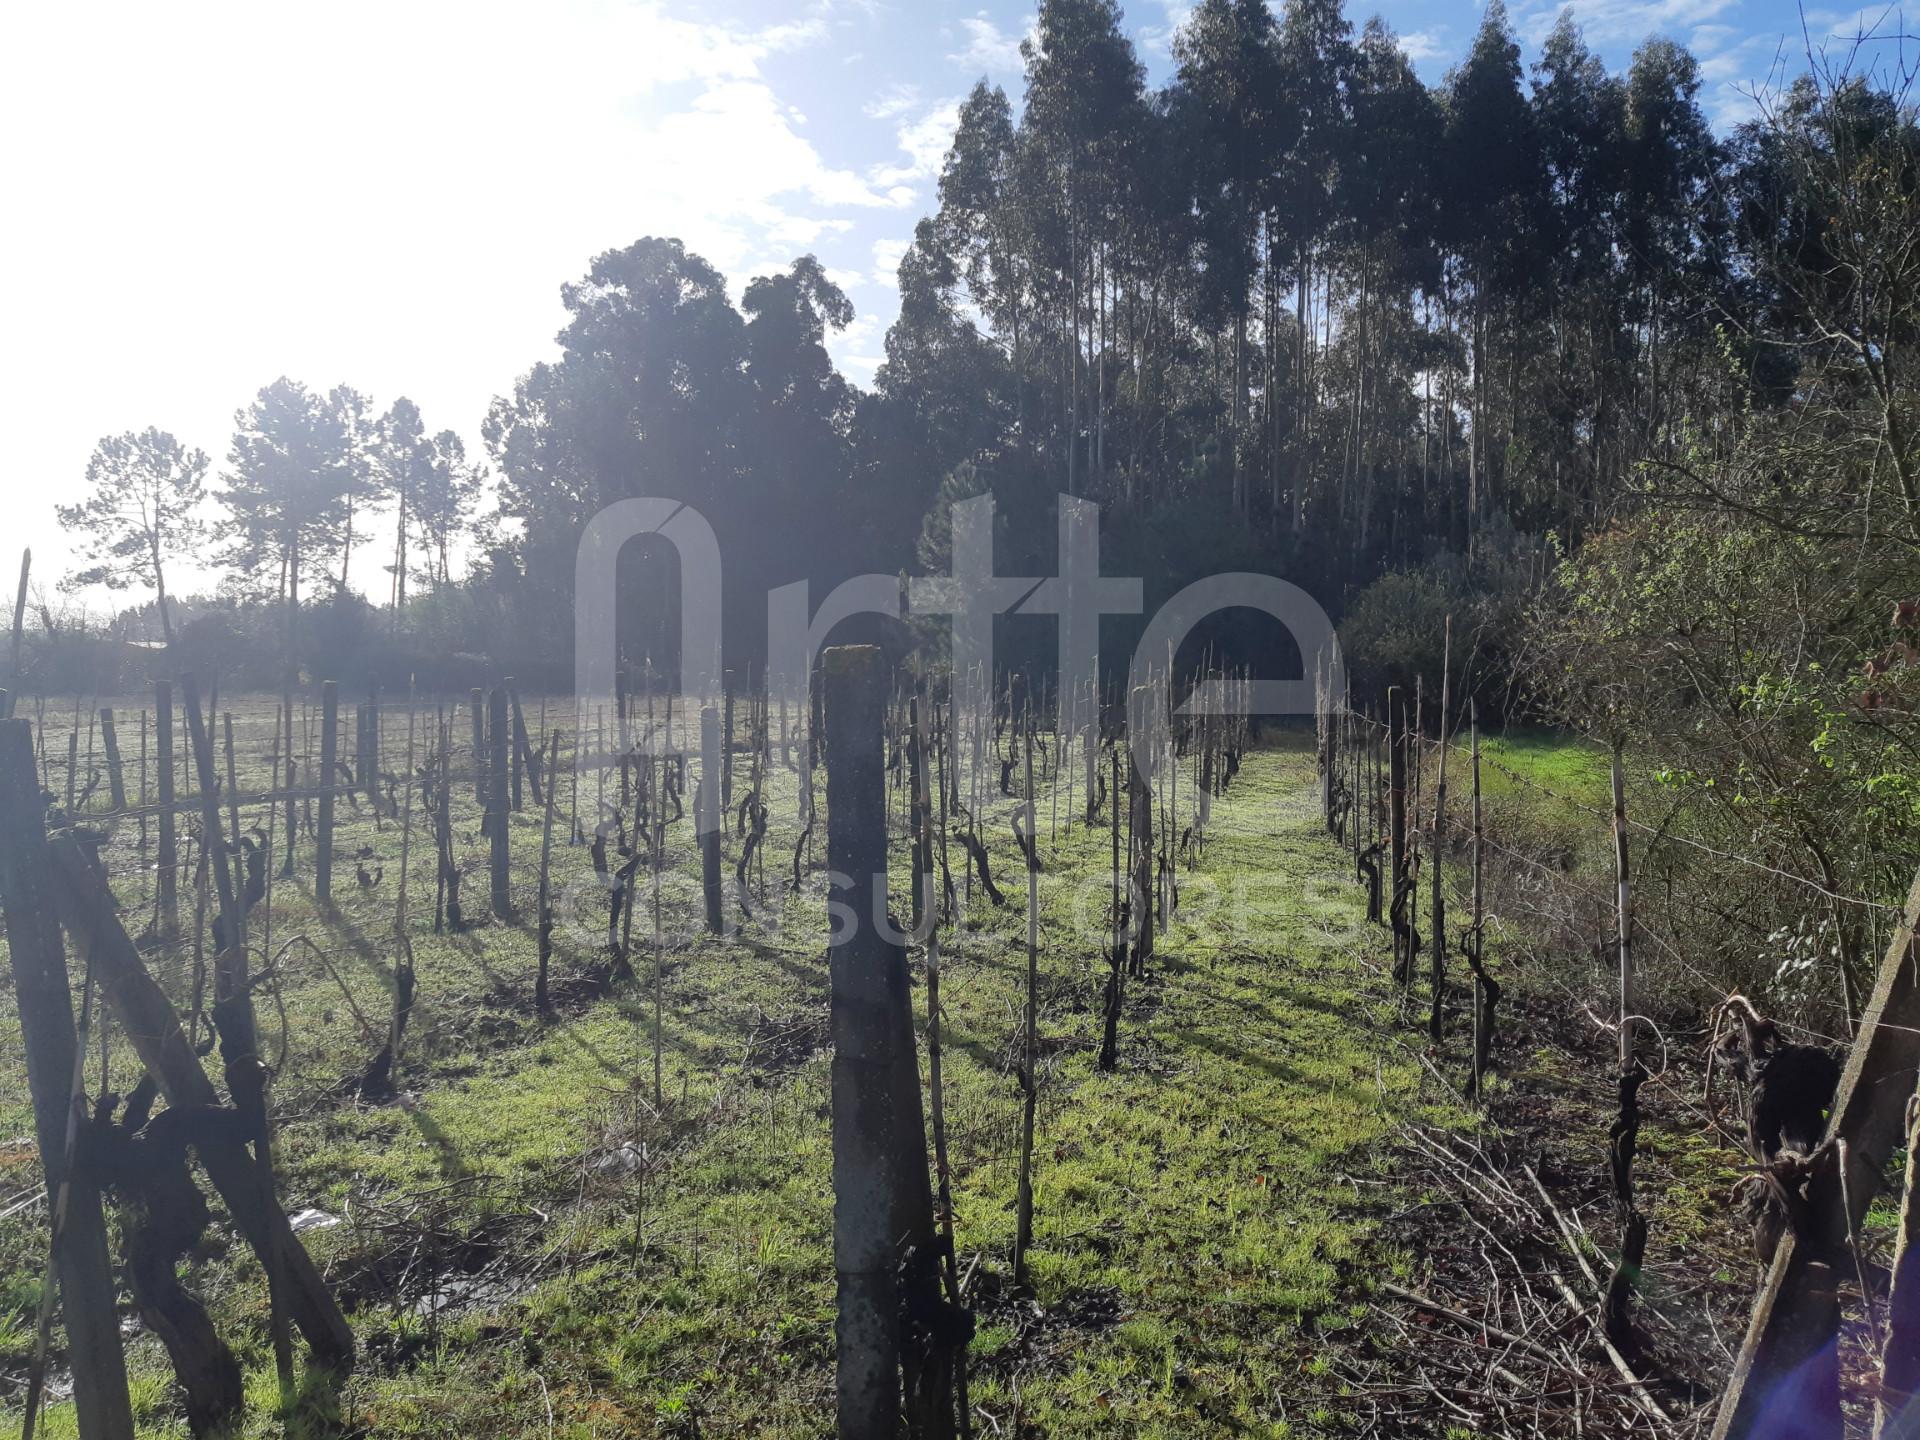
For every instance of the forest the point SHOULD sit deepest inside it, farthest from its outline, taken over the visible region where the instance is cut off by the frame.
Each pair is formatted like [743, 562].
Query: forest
[1518, 1039]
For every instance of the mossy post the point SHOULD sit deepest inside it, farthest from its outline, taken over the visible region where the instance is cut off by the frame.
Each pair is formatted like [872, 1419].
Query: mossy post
[707, 818]
[54, 1059]
[329, 758]
[498, 831]
[168, 861]
[886, 1256]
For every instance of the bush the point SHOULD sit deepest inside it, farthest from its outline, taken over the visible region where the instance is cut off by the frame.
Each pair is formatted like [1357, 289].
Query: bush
[1395, 630]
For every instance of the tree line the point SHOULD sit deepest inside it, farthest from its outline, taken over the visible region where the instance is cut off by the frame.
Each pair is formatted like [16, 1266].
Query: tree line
[1293, 310]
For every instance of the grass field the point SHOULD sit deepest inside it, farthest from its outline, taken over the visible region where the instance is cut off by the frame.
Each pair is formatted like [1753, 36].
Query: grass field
[530, 1245]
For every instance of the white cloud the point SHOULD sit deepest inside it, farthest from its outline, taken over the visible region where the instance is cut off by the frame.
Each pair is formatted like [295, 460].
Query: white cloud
[1627, 22]
[1158, 39]
[1422, 46]
[987, 47]
[887, 255]
[896, 99]
[925, 142]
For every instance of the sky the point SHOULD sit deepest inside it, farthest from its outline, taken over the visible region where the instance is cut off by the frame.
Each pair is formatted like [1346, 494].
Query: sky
[202, 197]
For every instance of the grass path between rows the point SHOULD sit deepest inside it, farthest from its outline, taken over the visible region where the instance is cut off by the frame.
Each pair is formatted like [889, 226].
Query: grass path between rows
[1206, 1218]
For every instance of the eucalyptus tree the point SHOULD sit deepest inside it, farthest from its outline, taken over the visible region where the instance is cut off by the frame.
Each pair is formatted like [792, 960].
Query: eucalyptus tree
[1085, 107]
[1495, 189]
[983, 229]
[1385, 205]
[1671, 161]
[1241, 121]
[1580, 386]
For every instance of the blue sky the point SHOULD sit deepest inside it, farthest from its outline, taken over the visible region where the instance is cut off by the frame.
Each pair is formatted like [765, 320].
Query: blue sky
[207, 196]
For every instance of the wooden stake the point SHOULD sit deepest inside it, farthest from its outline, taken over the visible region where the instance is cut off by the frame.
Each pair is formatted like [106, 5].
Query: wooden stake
[19, 630]
[116, 776]
[329, 759]
[403, 974]
[1397, 823]
[707, 818]
[498, 829]
[1900, 1359]
[169, 853]
[1486, 990]
[478, 704]
[517, 761]
[1030, 1050]
[1623, 911]
[546, 887]
[148, 1019]
[78, 1256]
[1437, 939]
[885, 1244]
[1789, 1363]
[233, 1019]
[293, 815]
[1117, 949]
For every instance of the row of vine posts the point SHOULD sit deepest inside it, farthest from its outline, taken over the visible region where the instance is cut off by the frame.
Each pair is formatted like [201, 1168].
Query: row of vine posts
[864, 724]
[1787, 1372]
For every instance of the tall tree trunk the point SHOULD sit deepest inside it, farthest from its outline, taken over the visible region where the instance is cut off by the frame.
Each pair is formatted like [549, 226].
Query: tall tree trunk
[160, 596]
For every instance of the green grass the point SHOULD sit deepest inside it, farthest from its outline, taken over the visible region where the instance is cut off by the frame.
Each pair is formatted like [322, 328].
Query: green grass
[1205, 1216]
[1543, 761]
